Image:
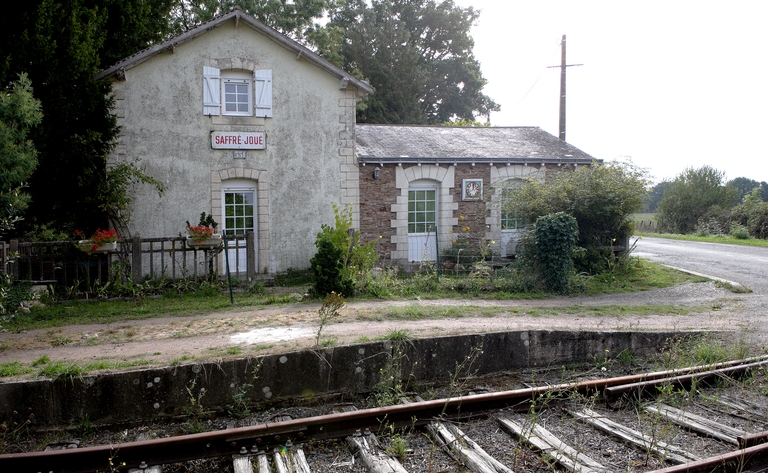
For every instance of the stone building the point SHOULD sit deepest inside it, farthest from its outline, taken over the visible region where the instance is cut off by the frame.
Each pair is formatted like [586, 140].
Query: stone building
[245, 124]
[422, 182]
[241, 122]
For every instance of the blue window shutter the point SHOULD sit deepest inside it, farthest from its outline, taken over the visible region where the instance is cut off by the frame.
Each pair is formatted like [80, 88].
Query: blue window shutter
[211, 91]
[263, 99]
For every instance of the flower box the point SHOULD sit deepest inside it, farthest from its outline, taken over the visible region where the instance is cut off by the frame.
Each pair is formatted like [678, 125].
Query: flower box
[212, 242]
[88, 247]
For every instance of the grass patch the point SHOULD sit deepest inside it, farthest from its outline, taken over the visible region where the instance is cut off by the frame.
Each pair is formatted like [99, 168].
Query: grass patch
[702, 350]
[109, 312]
[640, 276]
[59, 368]
[224, 351]
[709, 239]
[436, 313]
[14, 368]
[181, 359]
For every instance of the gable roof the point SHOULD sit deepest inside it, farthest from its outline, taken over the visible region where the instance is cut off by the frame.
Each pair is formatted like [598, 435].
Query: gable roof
[453, 145]
[237, 16]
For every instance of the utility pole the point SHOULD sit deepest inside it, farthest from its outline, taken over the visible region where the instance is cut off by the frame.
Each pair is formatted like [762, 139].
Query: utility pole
[562, 67]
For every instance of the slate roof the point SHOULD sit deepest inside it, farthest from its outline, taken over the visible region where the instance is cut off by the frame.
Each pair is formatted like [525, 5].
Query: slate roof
[238, 16]
[405, 144]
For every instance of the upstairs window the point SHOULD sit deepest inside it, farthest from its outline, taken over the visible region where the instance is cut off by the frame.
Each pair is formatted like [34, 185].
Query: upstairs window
[237, 93]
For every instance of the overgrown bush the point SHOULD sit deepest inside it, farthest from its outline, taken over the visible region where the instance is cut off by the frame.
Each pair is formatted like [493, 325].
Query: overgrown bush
[601, 198]
[555, 237]
[328, 268]
[739, 232]
[341, 263]
[752, 213]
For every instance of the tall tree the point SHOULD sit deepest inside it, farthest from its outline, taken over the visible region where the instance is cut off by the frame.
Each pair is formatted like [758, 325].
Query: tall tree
[62, 46]
[295, 19]
[417, 54]
[690, 195]
[654, 196]
[744, 186]
[19, 112]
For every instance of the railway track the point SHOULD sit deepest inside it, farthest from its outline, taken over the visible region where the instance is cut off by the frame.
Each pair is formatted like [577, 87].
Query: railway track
[705, 418]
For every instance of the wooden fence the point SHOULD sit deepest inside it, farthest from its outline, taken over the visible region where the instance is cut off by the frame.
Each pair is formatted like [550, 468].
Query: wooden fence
[64, 263]
[647, 226]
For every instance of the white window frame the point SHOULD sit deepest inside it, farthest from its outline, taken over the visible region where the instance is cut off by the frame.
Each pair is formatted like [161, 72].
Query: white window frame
[259, 87]
[236, 79]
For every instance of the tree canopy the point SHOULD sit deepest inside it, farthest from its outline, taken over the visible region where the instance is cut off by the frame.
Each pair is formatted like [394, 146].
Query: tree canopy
[62, 46]
[417, 55]
[19, 112]
[690, 195]
[745, 186]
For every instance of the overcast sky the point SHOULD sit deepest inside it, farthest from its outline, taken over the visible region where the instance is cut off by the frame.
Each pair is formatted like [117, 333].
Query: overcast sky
[671, 84]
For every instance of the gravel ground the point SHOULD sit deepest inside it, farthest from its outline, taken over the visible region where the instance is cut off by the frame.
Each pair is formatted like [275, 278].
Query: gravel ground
[692, 306]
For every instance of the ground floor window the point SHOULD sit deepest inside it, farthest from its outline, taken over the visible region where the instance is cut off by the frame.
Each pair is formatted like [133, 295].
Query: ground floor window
[239, 212]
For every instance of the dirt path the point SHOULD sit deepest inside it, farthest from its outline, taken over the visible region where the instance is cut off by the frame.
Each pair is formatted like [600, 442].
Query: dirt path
[280, 329]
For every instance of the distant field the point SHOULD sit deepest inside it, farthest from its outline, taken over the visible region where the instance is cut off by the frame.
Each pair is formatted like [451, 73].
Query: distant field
[644, 217]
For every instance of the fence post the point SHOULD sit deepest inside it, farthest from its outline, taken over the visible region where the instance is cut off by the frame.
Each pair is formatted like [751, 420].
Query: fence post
[3, 257]
[136, 259]
[250, 253]
[14, 267]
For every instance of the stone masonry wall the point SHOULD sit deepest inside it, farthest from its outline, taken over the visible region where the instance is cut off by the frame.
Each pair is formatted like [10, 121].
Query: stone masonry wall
[377, 196]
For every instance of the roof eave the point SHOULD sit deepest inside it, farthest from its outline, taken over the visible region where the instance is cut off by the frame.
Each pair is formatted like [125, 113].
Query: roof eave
[492, 161]
[237, 15]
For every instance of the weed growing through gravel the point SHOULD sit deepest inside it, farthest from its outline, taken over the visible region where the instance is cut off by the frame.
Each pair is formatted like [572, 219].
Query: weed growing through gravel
[330, 309]
[15, 428]
[392, 384]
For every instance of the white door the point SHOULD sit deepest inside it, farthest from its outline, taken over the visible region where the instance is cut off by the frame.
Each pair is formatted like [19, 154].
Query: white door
[422, 223]
[239, 212]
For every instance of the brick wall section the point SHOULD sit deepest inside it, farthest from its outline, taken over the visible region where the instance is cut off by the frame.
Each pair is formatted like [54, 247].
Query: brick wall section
[474, 212]
[376, 198]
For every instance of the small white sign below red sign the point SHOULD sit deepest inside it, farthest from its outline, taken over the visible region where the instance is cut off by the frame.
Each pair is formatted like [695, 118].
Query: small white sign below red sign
[238, 140]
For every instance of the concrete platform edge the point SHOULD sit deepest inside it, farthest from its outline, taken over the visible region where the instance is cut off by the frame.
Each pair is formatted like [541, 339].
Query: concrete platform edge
[355, 369]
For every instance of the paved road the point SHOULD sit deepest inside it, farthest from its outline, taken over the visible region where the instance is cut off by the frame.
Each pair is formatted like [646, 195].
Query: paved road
[746, 265]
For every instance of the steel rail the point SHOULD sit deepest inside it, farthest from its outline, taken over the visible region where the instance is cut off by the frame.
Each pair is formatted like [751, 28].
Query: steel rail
[750, 440]
[252, 439]
[645, 387]
[735, 461]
